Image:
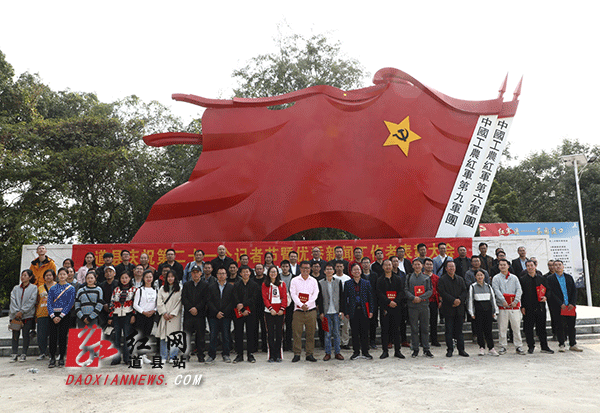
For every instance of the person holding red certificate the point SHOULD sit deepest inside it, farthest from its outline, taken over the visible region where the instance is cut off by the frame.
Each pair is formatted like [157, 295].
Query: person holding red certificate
[390, 292]
[304, 290]
[533, 307]
[359, 304]
[331, 311]
[246, 295]
[418, 290]
[274, 295]
[562, 297]
[508, 291]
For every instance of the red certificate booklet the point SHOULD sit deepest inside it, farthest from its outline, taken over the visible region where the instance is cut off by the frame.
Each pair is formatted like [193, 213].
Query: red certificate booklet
[541, 292]
[325, 325]
[303, 298]
[419, 290]
[238, 313]
[509, 299]
[391, 295]
[567, 312]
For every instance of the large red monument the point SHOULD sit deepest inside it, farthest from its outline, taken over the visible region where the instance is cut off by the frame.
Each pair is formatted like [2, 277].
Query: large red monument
[379, 162]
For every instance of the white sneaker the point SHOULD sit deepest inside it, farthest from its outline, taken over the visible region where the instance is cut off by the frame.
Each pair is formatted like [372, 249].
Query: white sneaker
[22, 357]
[146, 360]
[520, 351]
[481, 351]
[493, 352]
[164, 361]
[14, 358]
[42, 357]
[561, 349]
[502, 351]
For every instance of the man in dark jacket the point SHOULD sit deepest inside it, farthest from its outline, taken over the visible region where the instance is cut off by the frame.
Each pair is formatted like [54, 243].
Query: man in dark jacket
[390, 292]
[358, 302]
[194, 298]
[562, 297]
[222, 260]
[220, 313]
[245, 297]
[172, 264]
[453, 291]
[533, 307]
[462, 262]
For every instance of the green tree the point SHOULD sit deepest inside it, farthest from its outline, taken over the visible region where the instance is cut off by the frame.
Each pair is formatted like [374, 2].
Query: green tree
[541, 188]
[74, 169]
[298, 63]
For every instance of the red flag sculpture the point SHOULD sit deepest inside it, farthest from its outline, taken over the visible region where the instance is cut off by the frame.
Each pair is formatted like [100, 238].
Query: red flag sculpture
[378, 162]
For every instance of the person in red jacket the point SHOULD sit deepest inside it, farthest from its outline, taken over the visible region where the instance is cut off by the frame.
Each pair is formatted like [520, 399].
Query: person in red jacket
[274, 294]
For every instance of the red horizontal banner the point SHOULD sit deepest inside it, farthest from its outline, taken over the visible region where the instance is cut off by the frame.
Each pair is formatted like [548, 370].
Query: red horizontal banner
[280, 249]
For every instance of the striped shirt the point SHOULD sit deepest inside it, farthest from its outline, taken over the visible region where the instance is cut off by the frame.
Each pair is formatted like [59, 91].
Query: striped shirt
[88, 302]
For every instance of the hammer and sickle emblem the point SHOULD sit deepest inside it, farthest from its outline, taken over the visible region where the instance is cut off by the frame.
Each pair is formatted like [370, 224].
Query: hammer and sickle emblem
[402, 134]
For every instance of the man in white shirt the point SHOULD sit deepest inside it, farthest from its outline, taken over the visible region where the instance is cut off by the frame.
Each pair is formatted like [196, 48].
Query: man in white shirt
[304, 291]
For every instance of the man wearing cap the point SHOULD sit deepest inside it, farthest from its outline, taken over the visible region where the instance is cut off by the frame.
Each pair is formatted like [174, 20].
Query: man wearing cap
[107, 286]
[194, 299]
[108, 259]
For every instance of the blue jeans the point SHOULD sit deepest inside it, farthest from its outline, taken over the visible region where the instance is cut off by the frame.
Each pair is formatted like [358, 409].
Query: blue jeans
[163, 351]
[334, 329]
[217, 326]
[43, 324]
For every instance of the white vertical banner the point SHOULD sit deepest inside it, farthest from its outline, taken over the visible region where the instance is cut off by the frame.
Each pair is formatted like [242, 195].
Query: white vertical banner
[464, 186]
[484, 177]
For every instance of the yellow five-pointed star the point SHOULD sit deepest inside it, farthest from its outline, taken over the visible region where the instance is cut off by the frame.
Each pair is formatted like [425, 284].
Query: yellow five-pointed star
[400, 134]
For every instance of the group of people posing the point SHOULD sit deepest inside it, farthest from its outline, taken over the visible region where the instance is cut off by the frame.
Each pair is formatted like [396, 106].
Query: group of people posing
[338, 300]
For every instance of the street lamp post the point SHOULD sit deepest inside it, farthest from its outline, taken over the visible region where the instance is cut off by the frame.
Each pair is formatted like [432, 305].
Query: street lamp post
[581, 160]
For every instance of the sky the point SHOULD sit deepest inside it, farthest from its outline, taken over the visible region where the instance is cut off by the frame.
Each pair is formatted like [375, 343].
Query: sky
[462, 49]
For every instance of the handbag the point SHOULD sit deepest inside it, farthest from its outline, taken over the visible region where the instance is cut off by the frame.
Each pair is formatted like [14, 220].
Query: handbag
[15, 325]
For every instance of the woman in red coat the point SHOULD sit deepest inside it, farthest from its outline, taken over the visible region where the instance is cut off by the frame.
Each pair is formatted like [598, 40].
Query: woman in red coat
[274, 294]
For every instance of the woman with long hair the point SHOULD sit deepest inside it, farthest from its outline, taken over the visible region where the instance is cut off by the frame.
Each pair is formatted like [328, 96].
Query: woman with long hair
[88, 301]
[22, 313]
[269, 262]
[41, 313]
[274, 294]
[169, 308]
[89, 263]
[61, 299]
[121, 315]
[144, 304]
